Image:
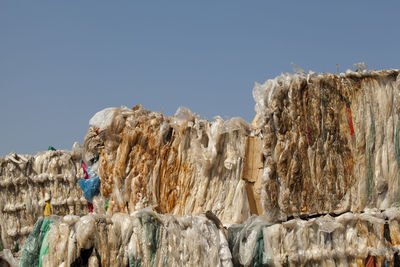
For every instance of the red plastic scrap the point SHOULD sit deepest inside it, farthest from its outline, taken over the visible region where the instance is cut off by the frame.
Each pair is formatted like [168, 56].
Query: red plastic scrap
[307, 128]
[90, 207]
[370, 261]
[83, 165]
[349, 119]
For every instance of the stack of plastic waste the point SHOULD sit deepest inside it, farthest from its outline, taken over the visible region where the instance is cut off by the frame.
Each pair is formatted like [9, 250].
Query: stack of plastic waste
[314, 180]
[145, 238]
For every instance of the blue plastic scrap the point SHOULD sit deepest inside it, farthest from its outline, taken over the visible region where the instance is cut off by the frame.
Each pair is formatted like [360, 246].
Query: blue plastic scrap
[90, 187]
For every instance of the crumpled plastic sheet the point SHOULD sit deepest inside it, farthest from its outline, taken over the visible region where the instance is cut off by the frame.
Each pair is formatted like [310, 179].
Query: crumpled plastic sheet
[28, 182]
[36, 245]
[345, 240]
[179, 164]
[331, 142]
[90, 187]
[143, 239]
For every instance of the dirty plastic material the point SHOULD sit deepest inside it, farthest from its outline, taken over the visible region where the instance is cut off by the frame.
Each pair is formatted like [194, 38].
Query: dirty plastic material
[90, 187]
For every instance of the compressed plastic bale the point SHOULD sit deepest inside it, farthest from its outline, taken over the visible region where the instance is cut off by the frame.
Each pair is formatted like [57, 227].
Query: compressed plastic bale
[329, 142]
[27, 183]
[134, 240]
[148, 156]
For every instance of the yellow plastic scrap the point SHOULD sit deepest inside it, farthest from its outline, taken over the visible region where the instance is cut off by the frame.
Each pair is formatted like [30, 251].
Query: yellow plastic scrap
[47, 209]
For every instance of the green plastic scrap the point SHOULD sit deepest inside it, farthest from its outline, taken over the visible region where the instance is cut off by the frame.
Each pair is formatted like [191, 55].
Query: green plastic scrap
[32, 251]
[370, 146]
[44, 248]
[240, 232]
[106, 205]
[51, 148]
[260, 258]
[133, 262]
[152, 232]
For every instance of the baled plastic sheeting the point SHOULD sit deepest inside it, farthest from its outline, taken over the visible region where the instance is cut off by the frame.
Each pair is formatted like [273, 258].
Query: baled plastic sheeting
[143, 239]
[330, 142]
[27, 183]
[179, 165]
[346, 240]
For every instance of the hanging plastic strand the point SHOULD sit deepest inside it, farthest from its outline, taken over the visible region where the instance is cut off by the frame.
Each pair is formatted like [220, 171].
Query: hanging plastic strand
[370, 146]
[397, 150]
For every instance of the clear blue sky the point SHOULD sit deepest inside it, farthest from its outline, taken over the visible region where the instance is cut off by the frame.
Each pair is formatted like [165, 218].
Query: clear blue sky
[62, 61]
